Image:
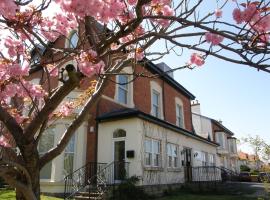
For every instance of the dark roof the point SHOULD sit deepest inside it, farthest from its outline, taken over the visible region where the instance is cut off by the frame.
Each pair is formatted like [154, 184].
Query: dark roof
[130, 113]
[217, 123]
[156, 70]
[223, 127]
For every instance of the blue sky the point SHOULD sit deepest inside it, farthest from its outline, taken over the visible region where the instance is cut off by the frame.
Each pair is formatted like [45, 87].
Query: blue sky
[237, 95]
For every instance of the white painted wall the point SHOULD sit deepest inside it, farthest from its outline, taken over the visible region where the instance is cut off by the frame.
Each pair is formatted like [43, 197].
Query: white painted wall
[137, 130]
[202, 126]
[56, 183]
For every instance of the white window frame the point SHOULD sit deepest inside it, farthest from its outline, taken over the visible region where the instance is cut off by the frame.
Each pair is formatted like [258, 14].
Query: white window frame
[211, 159]
[42, 153]
[179, 103]
[68, 40]
[155, 87]
[130, 102]
[152, 153]
[170, 156]
[125, 88]
[204, 158]
[156, 105]
[67, 152]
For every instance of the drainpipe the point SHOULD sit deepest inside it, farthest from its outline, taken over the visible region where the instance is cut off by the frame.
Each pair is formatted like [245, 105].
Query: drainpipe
[163, 101]
[97, 114]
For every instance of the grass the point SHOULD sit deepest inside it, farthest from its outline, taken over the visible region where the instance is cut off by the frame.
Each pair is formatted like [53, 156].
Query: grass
[10, 195]
[205, 197]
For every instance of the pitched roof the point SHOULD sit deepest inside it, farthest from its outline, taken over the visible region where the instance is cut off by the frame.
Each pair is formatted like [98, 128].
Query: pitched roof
[217, 123]
[131, 113]
[164, 75]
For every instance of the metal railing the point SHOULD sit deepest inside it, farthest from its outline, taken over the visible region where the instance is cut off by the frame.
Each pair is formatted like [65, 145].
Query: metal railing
[78, 180]
[97, 177]
[210, 174]
[114, 173]
[229, 175]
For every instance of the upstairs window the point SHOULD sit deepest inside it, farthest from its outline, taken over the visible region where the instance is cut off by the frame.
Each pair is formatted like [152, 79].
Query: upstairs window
[220, 139]
[123, 89]
[179, 116]
[73, 40]
[172, 153]
[156, 103]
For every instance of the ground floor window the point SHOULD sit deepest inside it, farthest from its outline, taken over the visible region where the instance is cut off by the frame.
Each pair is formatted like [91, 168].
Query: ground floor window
[45, 144]
[172, 155]
[152, 154]
[69, 156]
[211, 158]
[204, 159]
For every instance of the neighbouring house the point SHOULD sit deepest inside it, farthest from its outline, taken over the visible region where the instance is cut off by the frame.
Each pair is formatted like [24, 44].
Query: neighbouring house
[250, 160]
[143, 128]
[215, 131]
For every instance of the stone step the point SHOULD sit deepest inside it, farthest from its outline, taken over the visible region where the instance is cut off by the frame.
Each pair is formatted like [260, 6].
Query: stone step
[87, 193]
[86, 197]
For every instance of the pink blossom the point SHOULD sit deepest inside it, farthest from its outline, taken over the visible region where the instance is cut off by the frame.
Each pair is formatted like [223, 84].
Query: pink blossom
[53, 70]
[237, 16]
[218, 13]
[66, 109]
[196, 59]
[4, 141]
[214, 39]
[8, 8]
[88, 63]
[132, 2]
[15, 47]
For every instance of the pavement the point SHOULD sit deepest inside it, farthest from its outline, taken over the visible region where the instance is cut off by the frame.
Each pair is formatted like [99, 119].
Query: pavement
[249, 189]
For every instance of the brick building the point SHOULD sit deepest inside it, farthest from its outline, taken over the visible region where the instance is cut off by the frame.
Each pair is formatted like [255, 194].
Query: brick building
[146, 124]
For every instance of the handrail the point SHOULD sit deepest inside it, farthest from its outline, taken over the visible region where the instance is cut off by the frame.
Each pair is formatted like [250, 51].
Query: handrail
[78, 180]
[97, 176]
[210, 173]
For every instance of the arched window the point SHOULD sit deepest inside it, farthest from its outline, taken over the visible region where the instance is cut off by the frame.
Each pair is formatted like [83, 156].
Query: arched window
[73, 40]
[119, 133]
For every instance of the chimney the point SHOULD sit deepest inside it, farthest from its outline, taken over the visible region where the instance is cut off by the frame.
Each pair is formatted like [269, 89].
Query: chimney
[220, 121]
[196, 107]
[165, 68]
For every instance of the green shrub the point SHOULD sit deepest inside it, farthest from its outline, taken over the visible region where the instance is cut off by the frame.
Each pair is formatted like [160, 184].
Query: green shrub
[244, 168]
[127, 190]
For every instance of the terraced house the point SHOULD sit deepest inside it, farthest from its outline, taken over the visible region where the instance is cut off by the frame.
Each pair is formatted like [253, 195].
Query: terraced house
[227, 156]
[138, 128]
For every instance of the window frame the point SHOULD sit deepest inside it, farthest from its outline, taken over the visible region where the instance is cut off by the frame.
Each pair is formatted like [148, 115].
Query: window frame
[69, 43]
[152, 154]
[204, 158]
[156, 107]
[174, 158]
[125, 88]
[179, 115]
[53, 134]
[68, 153]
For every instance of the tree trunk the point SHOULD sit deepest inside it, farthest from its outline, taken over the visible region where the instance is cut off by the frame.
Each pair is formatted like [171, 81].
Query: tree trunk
[31, 159]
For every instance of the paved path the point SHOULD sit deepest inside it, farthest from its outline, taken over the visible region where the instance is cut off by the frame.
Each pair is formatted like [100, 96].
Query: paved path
[249, 189]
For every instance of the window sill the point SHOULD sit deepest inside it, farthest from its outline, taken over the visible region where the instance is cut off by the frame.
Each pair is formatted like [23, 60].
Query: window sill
[170, 169]
[151, 168]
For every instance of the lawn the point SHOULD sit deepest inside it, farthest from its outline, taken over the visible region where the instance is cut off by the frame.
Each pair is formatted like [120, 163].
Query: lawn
[206, 197]
[10, 195]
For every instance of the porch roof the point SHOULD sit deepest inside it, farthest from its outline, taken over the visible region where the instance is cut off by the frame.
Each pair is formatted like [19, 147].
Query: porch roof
[131, 113]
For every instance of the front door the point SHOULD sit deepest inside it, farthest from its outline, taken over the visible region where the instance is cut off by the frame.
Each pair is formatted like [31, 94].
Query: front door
[119, 160]
[187, 163]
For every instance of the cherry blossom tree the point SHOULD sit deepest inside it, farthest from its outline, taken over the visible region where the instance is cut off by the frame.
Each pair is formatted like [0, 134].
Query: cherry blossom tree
[113, 34]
